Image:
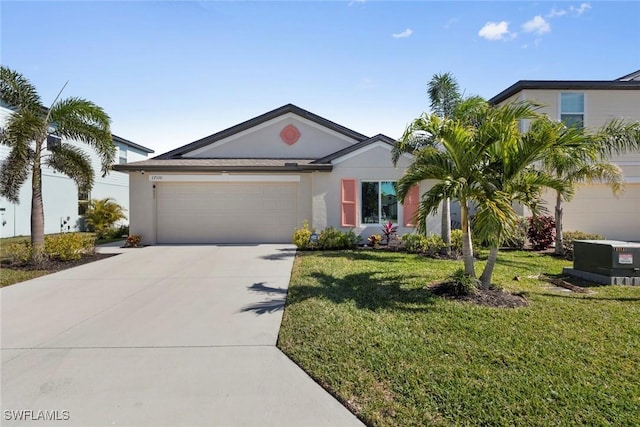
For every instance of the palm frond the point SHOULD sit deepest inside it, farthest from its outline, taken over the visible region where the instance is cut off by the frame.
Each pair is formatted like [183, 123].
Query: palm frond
[618, 137]
[14, 171]
[82, 120]
[17, 92]
[74, 163]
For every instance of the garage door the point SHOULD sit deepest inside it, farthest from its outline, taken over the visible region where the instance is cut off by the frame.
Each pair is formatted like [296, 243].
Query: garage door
[230, 212]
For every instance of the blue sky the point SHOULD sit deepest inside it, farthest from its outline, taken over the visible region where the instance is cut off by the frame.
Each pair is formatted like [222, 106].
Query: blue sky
[171, 72]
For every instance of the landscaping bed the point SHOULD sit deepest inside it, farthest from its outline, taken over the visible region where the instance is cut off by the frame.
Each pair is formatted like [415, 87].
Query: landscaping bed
[369, 327]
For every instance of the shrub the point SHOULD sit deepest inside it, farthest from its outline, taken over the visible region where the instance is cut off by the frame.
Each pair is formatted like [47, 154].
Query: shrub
[456, 242]
[20, 253]
[568, 237]
[133, 241]
[463, 284]
[374, 240]
[102, 215]
[519, 238]
[68, 246]
[331, 238]
[117, 232]
[419, 244]
[541, 232]
[302, 236]
[389, 230]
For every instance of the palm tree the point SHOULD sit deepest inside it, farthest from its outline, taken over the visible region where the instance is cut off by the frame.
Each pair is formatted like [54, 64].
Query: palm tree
[444, 94]
[586, 160]
[484, 159]
[26, 132]
[102, 214]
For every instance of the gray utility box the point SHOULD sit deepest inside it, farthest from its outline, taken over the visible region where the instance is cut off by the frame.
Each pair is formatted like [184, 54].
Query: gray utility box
[607, 257]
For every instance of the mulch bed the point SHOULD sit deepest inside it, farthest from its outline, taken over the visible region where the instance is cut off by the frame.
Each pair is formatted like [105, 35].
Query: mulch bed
[53, 265]
[485, 297]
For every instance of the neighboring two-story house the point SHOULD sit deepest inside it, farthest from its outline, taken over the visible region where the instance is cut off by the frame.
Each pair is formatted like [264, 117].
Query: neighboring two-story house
[63, 204]
[592, 104]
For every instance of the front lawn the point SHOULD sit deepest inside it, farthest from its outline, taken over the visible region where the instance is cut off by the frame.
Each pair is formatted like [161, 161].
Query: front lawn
[10, 275]
[365, 327]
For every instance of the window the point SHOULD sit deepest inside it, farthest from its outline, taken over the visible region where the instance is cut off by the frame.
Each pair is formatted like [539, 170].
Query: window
[122, 159]
[572, 108]
[379, 202]
[83, 202]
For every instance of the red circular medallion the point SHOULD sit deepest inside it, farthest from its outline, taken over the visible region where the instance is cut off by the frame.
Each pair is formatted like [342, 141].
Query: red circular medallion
[290, 134]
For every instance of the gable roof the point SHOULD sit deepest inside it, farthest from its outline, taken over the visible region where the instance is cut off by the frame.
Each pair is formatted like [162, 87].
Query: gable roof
[341, 153]
[628, 82]
[285, 109]
[121, 140]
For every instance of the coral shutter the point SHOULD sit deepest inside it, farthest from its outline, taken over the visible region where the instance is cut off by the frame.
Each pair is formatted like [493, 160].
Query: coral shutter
[410, 205]
[348, 206]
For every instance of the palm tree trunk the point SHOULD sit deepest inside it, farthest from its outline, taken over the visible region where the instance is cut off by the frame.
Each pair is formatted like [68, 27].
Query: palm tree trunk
[37, 209]
[446, 226]
[559, 240]
[467, 246]
[485, 277]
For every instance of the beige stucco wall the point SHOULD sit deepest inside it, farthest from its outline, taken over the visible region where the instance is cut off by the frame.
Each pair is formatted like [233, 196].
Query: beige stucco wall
[264, 141]
[594, 209]
[372, 164]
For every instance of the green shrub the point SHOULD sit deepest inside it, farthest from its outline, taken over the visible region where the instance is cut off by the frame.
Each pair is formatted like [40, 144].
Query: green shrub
[463, 284]
[117, 232]
[350, 240]
[68, 246]
[519, 238]
[568, 237]
[456, 242]
[102, 215]
[302, 236]
[419, 244]
[20, 253]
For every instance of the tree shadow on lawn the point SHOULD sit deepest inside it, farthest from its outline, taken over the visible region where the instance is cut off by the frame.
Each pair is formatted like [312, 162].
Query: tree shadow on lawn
[366, 290]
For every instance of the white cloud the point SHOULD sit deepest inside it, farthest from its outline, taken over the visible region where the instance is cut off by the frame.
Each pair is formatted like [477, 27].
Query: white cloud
[536, 25]
[580, 9]
[404, 34]
[555, 12]
[494, 30]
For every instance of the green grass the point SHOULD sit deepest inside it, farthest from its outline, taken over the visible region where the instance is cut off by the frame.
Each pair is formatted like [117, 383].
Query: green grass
[9, 276]
[364, 326]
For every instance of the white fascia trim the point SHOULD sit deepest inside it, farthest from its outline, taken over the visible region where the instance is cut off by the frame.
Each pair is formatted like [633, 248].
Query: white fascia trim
[632, 180]
[286, 116]
[224, 178]
[627, 163]
[365, 149]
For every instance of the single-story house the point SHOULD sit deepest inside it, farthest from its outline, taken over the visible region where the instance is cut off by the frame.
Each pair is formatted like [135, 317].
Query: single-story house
[63, 204]
[259, 180]
[592, 104]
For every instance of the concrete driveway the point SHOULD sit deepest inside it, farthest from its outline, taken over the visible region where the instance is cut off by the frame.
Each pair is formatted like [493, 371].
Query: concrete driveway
[159, 336]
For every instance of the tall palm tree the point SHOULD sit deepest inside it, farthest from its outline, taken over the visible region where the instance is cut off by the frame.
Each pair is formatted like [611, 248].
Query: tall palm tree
[486, 160]
[445, 96]
[26, 132]
[587, 161]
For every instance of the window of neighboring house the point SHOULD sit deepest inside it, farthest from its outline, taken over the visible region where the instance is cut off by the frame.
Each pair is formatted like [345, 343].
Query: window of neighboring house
[379, 202]
[572, 108]
[83, 202]
[123, 155]
[53, 141]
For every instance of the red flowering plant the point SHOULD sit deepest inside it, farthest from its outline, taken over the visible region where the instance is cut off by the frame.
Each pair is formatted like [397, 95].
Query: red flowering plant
[389, 230]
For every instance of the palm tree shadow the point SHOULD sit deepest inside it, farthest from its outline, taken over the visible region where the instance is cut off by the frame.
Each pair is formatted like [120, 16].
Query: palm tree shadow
[367, 290]
[270, 305]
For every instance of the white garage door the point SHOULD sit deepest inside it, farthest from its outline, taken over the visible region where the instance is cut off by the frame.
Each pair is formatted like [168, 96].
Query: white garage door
[230, 212]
